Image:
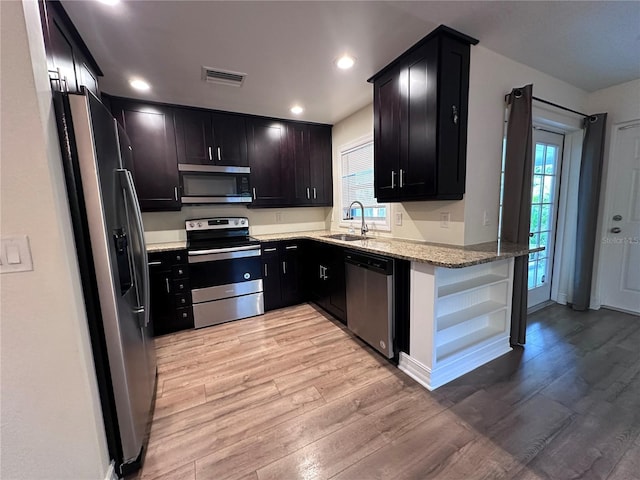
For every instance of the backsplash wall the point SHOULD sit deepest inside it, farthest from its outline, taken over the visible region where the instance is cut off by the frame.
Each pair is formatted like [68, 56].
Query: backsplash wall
[169, 226]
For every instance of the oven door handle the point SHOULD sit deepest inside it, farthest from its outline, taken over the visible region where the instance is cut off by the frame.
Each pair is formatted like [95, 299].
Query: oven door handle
[222, 254]
[223, 250]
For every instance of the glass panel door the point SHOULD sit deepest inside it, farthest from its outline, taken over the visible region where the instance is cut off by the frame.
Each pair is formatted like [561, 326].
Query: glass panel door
[547, 157]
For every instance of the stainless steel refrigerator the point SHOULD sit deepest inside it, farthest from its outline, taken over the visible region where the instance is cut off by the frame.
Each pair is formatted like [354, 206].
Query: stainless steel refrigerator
[112, 257]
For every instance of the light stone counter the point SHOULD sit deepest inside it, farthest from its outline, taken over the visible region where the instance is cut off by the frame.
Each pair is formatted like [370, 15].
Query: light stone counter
[436, 254]
[166, 246]
[439, 255]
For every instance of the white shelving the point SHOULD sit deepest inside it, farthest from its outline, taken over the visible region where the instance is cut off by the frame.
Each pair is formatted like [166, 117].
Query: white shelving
[460, 319]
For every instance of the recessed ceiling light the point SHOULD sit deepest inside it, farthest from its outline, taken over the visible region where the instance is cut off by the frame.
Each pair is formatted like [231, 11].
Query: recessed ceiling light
[345, 62]
[297, 109]
[109, 2]
[139, 84]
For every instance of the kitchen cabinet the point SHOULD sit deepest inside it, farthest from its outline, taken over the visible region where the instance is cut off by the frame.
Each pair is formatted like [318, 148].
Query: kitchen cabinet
[211, 138]
[310, 152]
[150, 127]
[282, 274]
[325, 274]
[70, 63]
[270, 173]
[420, 120]
[170, 301]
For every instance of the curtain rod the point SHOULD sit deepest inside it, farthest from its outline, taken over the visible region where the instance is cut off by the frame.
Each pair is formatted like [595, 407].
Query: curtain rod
[554, 105]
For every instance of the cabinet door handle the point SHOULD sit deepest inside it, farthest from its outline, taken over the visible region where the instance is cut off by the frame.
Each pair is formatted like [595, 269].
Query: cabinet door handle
[175, 193]
[284, 267]
[314, 193]
[166, 281]
[219, 153]
[393, 179]
[401, 178]
[308, 193]
[254, 193]
[210, 155]
[454, 114]
[265, 271]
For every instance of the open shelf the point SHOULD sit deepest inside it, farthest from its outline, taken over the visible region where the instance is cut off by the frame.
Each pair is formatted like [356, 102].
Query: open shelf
[484, 308]
[470, 284]
[460, 344]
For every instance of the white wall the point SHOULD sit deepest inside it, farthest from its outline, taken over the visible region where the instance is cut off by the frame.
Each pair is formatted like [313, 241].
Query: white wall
[622, 103]
[491, 77]
[51, 419]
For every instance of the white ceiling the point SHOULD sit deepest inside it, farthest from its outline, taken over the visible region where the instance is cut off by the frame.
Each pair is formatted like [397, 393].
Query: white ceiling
[287, 48]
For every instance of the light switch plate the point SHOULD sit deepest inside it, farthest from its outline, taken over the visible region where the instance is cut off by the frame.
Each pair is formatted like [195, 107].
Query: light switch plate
[444, 219]
[15, 254]
[398, 218]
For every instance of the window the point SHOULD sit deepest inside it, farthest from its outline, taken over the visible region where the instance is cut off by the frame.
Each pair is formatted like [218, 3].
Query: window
[357, 184]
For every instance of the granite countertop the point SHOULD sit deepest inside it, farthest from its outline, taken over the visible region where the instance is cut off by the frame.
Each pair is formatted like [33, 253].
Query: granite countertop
[437, 254]
[166, 246]
[440, 255]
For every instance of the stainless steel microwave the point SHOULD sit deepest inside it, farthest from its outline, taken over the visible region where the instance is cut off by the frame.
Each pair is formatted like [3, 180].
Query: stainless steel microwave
[202, 184]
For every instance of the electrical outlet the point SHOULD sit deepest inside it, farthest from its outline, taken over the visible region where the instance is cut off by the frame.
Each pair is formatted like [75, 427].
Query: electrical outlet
[398, 218]
[278, 217]
[486, 221]
[444, 219]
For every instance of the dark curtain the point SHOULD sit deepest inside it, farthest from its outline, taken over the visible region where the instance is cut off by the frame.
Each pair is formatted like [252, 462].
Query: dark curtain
[516, 202]
[588, 200]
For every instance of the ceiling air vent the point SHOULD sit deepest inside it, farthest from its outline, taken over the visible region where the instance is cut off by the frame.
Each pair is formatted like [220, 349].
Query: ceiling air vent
[223, 77]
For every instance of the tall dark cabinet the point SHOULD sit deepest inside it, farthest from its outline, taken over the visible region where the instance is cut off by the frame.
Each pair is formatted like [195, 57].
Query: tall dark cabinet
[310, 152]
[70, 63]
[150, 128]
[420, 120]
[270, 175]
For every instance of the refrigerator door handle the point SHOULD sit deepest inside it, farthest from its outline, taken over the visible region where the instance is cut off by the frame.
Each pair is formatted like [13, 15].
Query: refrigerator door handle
[133, 197]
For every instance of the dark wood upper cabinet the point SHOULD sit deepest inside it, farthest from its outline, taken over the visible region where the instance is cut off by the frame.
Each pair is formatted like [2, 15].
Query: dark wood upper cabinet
[229, 139]
[270, 175]
[310, 153]
[211, 138]
[68, 58]
[420, 120]
[151, 130]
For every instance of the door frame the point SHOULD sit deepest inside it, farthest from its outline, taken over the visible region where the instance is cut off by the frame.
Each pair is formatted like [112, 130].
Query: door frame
[564, 254]
[555, 213]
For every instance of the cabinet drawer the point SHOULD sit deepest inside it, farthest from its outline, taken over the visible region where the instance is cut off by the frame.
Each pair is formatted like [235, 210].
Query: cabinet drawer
[178, 258]
[179, 271]
[181, 285]
[184, 317]
[182, 299]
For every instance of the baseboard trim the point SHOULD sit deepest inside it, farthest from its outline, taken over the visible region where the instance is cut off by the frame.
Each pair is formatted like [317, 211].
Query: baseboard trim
[434, 378]
[111, 472]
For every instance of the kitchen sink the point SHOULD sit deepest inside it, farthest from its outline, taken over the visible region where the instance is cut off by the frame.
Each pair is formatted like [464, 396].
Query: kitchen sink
[345, 237]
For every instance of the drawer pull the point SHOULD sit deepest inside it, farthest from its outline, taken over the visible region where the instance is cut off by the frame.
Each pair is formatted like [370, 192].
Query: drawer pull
[291, 247]
[269, 249]
[155, 263]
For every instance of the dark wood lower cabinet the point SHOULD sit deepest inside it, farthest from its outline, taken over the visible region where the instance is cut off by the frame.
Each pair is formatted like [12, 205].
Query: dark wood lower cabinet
[282, 274]
[171, 309]
[325, 275]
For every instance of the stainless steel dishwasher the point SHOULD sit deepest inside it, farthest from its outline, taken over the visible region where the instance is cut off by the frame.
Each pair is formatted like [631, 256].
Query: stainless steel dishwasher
[370, 301]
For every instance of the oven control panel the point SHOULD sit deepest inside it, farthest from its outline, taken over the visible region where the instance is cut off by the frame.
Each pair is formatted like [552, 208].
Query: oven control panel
[217, 223]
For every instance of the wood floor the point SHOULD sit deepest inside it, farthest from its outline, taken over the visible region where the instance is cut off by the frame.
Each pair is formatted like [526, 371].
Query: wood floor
[291, 395]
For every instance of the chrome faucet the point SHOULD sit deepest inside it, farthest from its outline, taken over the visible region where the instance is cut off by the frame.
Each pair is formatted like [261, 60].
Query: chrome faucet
[363, 228]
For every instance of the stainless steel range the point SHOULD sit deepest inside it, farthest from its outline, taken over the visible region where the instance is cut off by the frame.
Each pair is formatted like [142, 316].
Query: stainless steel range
[225, 270]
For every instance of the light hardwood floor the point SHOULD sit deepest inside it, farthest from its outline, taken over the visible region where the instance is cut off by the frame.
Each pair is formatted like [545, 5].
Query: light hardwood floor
[292, 395]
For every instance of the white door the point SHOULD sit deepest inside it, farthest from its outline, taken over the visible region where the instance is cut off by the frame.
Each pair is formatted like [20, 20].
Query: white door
[547, 155]
[620, 249]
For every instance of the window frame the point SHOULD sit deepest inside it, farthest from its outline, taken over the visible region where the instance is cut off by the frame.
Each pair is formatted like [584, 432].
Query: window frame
[372, 224]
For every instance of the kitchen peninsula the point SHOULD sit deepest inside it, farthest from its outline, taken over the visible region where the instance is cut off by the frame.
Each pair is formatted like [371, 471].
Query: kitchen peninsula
[459, 299]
